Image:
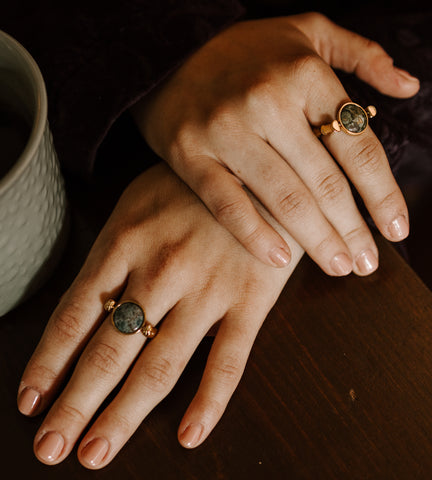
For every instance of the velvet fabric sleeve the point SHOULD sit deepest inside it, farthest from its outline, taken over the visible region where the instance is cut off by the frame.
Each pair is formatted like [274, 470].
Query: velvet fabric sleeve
[99, 57]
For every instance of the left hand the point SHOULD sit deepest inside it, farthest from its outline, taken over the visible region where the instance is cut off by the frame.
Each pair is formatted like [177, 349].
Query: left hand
[162, 248]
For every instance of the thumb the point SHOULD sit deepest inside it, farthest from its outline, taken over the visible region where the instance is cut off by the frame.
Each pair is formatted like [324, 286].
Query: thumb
[351, 52]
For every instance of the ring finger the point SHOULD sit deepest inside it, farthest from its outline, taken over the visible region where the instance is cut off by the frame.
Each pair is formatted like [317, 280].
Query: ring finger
[151, 379]
[100, 368]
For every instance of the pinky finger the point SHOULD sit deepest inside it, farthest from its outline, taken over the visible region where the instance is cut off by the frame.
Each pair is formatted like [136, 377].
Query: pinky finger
[225, 366]
[229, 203]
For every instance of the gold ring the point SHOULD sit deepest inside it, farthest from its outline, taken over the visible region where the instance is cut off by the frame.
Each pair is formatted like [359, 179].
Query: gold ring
[351, 118]
[129, 317]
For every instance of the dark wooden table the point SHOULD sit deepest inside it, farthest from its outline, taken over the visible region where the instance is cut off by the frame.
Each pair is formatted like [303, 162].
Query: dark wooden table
[339, 385]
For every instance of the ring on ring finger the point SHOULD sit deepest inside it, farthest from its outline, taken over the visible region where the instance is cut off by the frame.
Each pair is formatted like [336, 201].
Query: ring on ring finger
[351, 118]
[128, 317]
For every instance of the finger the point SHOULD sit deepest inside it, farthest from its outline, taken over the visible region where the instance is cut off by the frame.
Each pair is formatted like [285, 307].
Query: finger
[153, 376]
[225, 198]
[330, 188]
[288, 199]
[68, 330]
[100, 368]
[354, 53]
[225, 366]
[365, 162]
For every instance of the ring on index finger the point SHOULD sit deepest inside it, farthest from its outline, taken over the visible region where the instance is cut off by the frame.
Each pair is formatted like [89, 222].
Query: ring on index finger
[129, 317]
[351, 118]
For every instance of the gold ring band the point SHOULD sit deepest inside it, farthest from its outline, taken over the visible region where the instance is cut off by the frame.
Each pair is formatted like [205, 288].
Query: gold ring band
[351, 119]
[128, 317]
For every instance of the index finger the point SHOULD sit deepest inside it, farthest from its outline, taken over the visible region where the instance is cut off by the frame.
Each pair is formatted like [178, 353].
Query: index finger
[72, 323]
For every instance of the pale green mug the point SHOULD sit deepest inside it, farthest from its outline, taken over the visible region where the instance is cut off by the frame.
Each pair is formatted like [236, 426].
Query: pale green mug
[33, 219]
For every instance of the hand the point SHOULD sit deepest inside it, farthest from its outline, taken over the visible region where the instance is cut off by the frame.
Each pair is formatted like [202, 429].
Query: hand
[162, 248]
[240, 111]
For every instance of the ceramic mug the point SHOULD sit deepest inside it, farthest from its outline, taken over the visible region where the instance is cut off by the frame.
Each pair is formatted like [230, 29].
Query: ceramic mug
[33, 218]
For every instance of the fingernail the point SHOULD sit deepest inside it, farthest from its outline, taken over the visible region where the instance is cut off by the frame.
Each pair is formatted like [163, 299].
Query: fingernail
[341, 264]
[191, 435]
[28, 401]
[280, 257]
[366, 262]
[94, 452]
[399, 228]
[404, 74]
[50, 447]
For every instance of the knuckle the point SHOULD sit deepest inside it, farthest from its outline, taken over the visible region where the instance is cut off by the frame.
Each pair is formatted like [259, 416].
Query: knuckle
[118, 242]
[389, 202]
[66, 323]
[367, 157]
[325, 244]
[212, 408]
[309, 65]
[158, 374]
[294, 204]
[104, 358]
[332, 186]
[69, 413]
[231, 211]
[228, 370]
[40, 374]
[360, 233]
[317, 17]
[119, 424]
[254, 236]
[371, 46]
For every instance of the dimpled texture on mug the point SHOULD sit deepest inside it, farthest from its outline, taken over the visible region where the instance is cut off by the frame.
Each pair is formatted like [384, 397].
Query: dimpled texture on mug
[32, 214]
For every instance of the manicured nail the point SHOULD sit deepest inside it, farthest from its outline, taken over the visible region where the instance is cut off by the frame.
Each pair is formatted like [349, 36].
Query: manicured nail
[94, 452]
[28, 401]
[280, 257]
[404, 74]
[341, 264]
[367, 262]
[399, 228]
[191, 435]
[50, 447]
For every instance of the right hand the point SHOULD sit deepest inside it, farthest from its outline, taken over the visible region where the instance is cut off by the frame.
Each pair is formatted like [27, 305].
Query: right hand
[240, 110]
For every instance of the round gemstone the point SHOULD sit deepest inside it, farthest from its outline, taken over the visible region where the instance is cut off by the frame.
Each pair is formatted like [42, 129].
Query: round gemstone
[128, 317]
[353, 118]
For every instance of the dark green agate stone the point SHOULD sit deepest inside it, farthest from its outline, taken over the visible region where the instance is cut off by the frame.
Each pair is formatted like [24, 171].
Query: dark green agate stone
[353, 118]
[128, 317]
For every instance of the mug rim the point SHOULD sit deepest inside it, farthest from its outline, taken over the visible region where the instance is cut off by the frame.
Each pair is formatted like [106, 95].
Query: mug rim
[39, 122]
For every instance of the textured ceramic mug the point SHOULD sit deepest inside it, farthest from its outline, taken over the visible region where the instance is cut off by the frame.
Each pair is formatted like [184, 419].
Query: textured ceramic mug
[32, 196]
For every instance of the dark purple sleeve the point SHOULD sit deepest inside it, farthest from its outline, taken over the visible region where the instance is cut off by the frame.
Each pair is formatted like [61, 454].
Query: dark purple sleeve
[99, 57]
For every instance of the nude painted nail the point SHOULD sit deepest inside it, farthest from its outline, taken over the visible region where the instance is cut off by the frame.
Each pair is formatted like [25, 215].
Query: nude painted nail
[367, 262]
[279, 257]
[28, 401]
[191, 435]
[399, 228]
[94, 452]
[341, 264]
[50, 447]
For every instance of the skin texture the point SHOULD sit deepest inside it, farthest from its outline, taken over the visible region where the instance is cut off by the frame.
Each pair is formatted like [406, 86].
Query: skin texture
[240, 111]
[190, 272]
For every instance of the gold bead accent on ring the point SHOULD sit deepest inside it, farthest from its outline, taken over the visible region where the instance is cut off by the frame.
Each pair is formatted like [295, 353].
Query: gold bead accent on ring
[109, 305]
[148, 330]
